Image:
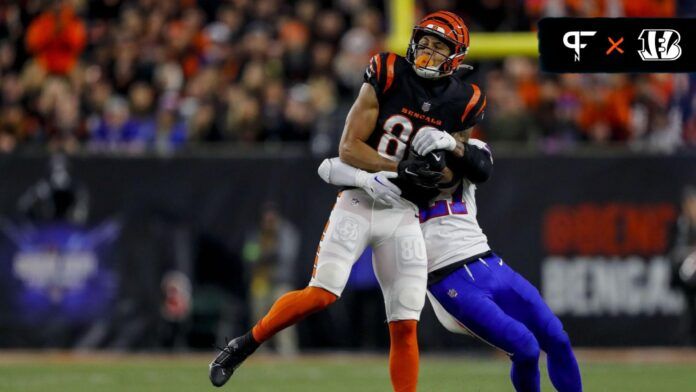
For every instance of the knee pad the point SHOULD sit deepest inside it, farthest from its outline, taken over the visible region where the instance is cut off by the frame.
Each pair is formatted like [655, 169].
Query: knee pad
[412, 298]
[331, 275]
[555, 334]
[526, 349]
[405, 301]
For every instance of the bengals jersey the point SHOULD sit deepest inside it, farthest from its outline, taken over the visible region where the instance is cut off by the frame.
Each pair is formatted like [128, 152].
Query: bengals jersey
[409, 103]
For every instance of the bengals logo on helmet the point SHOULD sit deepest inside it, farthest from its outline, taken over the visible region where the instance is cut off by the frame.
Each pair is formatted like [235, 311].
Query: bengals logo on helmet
[452, 30]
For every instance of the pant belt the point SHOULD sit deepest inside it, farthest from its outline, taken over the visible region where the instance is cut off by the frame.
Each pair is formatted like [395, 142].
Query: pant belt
[439, 274]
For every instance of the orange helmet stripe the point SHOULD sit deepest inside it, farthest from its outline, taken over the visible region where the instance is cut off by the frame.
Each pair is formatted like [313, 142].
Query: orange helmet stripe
[472, 102]
[457, 21]
[440, 22]
[452, 19]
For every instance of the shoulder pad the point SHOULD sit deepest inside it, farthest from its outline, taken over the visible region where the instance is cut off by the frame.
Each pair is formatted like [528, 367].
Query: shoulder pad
[481, 145]
[380, 72]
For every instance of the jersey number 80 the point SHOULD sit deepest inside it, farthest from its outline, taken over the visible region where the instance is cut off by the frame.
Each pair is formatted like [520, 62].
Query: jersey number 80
[398, 132]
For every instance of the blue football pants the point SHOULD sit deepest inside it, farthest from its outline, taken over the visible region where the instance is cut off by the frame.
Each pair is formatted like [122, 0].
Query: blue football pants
[494, 303]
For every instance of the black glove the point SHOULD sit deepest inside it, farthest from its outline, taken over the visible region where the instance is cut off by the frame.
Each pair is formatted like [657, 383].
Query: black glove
[436, 160]
[423, 171]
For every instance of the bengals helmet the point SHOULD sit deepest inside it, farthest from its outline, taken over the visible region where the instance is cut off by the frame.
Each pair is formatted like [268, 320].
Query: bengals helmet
[451, 30]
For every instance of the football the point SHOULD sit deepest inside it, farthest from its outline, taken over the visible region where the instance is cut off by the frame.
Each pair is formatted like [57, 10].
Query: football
[436, 160]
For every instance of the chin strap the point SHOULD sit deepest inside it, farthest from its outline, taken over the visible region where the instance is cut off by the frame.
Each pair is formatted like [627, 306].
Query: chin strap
[427, 73]
[423, 72]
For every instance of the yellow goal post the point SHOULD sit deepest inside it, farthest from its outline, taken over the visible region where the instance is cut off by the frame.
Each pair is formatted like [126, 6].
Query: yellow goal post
[401, 16]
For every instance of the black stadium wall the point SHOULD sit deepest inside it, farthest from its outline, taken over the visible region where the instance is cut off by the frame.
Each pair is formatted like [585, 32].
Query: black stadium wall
[592, 233]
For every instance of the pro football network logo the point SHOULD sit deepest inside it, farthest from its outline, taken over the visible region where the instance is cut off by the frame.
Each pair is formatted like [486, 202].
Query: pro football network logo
[576, 44]
[660, 45]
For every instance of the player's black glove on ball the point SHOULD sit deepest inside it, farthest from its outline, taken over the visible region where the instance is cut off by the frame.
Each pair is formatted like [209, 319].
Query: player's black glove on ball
[435, 159]
[424, 171]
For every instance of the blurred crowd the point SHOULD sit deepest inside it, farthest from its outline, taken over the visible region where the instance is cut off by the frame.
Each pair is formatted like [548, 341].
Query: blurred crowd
[648, 112]
[147, 75]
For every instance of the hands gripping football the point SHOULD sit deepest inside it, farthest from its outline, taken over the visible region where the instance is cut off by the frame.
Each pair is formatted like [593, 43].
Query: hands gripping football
[424, 167]
[423, 170]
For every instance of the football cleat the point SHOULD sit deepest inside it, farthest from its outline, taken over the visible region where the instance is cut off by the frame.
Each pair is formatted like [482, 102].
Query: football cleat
[230, 357]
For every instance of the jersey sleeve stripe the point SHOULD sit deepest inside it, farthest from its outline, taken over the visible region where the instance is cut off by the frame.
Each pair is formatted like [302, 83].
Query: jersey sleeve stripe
[472, 102]
[390, 70]
[483, 106]
[378, 64]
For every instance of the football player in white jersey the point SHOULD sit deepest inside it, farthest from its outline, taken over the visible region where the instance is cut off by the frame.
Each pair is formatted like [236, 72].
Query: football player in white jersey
[472, 290]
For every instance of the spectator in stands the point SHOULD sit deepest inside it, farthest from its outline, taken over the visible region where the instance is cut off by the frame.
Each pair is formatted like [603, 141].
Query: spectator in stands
[57, 38]
[513, 120]
[116, 132]
[11, 127]
[685, 99]
[269, 71]
[271, 251]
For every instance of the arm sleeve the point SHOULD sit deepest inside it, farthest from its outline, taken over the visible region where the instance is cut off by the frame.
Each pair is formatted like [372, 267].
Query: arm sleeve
[336, 172]
[477, 163]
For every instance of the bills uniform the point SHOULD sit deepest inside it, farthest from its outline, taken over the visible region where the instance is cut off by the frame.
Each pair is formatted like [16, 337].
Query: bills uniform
[474, 291]
[407, 104]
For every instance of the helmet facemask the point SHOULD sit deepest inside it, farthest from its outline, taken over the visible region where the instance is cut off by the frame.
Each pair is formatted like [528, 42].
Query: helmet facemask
[424, 65]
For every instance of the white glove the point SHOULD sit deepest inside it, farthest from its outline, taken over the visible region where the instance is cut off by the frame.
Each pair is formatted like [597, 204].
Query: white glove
[430, 139]
[380, 188]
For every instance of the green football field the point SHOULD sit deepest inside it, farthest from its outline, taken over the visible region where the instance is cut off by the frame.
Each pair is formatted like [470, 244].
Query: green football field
[105, 373]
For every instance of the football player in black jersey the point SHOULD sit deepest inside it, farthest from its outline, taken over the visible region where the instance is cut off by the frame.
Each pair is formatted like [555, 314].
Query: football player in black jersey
[413, 95]
[402, 98]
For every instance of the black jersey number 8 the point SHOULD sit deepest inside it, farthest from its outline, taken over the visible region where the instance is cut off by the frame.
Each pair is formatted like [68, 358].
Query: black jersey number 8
[398, 132]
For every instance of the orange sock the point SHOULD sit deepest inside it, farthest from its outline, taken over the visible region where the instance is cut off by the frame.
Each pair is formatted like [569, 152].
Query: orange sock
[291, 308]
[403, 355]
